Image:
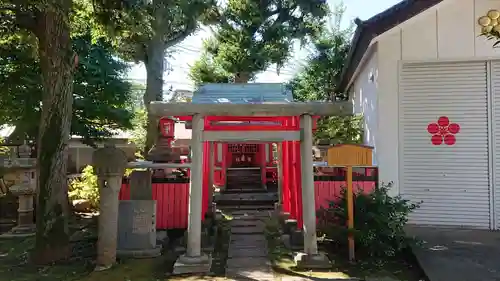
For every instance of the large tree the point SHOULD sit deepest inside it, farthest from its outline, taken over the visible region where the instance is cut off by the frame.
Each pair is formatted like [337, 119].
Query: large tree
[144, 30]
[49, 22]
[98, 77]
[252, 35]
[318, 79]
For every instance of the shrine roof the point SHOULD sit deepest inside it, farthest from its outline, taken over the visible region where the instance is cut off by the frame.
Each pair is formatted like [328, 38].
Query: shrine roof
[251, 93]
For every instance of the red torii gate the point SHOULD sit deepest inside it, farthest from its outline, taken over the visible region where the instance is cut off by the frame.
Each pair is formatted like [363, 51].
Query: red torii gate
[290, 193]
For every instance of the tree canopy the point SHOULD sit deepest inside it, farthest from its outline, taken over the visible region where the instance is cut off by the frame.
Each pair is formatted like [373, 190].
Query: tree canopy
[98, 77]
[143, 30]
[251, 35]
[318, 79]
[51, 72]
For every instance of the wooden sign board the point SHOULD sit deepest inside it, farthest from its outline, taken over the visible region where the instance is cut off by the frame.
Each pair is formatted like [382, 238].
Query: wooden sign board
[350, 155]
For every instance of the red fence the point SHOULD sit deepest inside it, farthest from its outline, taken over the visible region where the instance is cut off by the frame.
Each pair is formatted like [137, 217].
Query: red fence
[172, 195]
[328, 188]
[172, 201]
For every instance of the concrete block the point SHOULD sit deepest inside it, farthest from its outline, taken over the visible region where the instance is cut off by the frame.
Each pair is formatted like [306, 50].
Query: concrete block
[193, 265]
[318, 261]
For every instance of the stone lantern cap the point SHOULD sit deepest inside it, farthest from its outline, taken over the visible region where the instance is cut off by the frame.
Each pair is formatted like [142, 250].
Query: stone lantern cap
[18, 163]
[23, 189]
[24, 151]
[109, 161]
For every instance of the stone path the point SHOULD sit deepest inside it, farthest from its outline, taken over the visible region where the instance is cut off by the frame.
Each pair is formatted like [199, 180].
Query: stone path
[247, 254]
[458, 254]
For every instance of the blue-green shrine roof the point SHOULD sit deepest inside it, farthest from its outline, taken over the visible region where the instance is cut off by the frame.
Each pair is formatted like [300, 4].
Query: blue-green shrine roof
[242, 93]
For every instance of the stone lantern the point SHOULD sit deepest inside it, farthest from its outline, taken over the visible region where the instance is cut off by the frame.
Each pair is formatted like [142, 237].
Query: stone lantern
[162, 151]
[109, 163]
[24, 188]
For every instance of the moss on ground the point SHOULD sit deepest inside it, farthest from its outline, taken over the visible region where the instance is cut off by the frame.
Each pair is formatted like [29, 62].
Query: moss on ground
[403, 268]
[14, 265]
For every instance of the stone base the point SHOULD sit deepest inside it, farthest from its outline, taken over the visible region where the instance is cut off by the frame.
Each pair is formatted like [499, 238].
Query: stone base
[102, 267]
[290, 226]
[193, 265]
[318, 261]
[297, 240]
[139, 254]
[182, 249]
[282, 217]
[20, 231]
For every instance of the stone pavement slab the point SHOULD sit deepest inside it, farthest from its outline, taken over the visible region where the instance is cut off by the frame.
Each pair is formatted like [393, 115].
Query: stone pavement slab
[246, 197]
[458, 254]
[243, 222]
[248, 262]
[305, 278]
[248, 252]
[241, 214]
[254, 274]
[247, 230]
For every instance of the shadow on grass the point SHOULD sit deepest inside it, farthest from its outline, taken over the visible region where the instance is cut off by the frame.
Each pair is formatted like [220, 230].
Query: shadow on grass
[219, 255]
[14, 265]
[403, 267]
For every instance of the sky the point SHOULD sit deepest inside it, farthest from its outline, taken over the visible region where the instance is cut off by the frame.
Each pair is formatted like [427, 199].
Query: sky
[189, 50]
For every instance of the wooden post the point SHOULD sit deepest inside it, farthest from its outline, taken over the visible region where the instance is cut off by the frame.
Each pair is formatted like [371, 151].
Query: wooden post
[350, 212]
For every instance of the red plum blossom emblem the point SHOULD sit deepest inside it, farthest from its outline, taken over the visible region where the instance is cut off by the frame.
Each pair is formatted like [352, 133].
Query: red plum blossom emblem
[443, 131]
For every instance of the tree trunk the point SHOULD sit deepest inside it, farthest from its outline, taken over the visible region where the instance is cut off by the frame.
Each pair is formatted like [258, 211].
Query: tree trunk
[155, 68]
[241, 78]
[57, 65]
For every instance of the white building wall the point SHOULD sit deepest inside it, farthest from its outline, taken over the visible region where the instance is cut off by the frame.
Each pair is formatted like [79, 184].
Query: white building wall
[447, 31]
[364, 95]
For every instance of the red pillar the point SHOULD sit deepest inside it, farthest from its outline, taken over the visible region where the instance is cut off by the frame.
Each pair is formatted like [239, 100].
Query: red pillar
[291, 174]
[298, 179]
[206, 170]
[285, 185]
[293, 181]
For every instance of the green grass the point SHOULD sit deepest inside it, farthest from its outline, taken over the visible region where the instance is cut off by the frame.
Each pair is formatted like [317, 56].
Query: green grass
[14, 264]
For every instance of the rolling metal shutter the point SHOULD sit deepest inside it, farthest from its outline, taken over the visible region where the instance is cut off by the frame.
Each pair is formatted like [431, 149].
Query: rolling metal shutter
[451, 180]
[495, 102]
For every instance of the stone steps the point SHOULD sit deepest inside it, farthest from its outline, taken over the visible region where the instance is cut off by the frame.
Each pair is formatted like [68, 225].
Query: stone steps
[247, 253]
[248, 203]
[238, 190]
[240, 178]
[243, 181]
[244, 186]
[245, 199]
[245, 208]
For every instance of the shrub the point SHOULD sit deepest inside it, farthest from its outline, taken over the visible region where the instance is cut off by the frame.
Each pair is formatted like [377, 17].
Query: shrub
[85, 187]
[379, 221]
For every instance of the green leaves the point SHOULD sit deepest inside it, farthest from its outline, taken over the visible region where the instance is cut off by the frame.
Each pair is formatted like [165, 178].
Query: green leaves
[131, 24]
[251, 35]
[101, 96]
[319, 78]
[378, 224]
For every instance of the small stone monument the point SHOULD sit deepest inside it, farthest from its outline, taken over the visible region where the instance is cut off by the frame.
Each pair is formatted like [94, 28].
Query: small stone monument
[24, 189]
[137, 229]
[137, 220]
[140, 185]
[109, 163]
